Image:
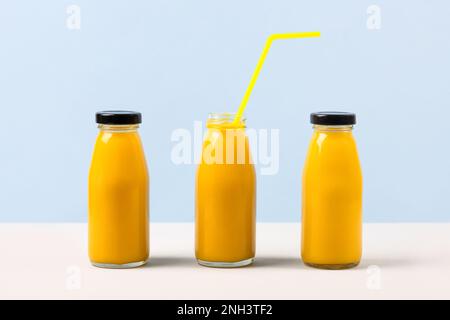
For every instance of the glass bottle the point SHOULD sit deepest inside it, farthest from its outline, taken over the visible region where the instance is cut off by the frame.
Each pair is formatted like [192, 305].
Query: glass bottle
[332, 194]
[225, 196]
[118, 193]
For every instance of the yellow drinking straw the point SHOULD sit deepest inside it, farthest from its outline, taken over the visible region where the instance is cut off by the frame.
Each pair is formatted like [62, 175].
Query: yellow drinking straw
[261, 62]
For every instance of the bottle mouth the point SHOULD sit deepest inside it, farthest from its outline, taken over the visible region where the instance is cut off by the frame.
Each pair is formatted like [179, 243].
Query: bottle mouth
[224, 120]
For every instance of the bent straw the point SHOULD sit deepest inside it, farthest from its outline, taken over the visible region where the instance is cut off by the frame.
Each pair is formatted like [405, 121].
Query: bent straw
[255, 75]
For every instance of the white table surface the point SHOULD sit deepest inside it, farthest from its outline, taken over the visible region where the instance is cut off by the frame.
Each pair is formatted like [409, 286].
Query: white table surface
[41, 261]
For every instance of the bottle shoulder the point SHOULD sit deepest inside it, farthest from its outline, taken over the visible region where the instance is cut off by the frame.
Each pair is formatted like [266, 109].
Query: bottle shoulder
[118, 152]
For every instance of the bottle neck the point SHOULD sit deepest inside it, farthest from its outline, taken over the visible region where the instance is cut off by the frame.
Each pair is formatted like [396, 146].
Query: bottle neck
[322, 128]
[118, 128]
[224, 121]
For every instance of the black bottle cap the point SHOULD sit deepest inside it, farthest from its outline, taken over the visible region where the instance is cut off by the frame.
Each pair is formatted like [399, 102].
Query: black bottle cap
[118, 117]
[333, 118]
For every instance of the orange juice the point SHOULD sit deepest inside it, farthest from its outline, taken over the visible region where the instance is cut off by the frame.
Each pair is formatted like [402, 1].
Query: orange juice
[225, 196]
[118, 194]
[332, 194]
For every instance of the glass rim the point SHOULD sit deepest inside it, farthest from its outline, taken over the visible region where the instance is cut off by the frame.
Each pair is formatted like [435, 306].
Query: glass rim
[224, 116]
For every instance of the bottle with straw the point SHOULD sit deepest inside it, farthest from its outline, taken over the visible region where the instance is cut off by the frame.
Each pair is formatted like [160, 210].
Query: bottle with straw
[225, 190]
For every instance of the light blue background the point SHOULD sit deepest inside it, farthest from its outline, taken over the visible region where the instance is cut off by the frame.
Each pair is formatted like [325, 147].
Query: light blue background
[177, 60]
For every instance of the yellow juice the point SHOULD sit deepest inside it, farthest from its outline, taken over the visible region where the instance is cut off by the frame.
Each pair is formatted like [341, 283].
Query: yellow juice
[118, 199]
[332, 200]
[225, 197]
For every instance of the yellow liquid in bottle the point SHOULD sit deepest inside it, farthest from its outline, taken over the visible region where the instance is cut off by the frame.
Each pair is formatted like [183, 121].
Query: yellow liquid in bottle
[225, 199]
[118, 200]
[332, 201]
